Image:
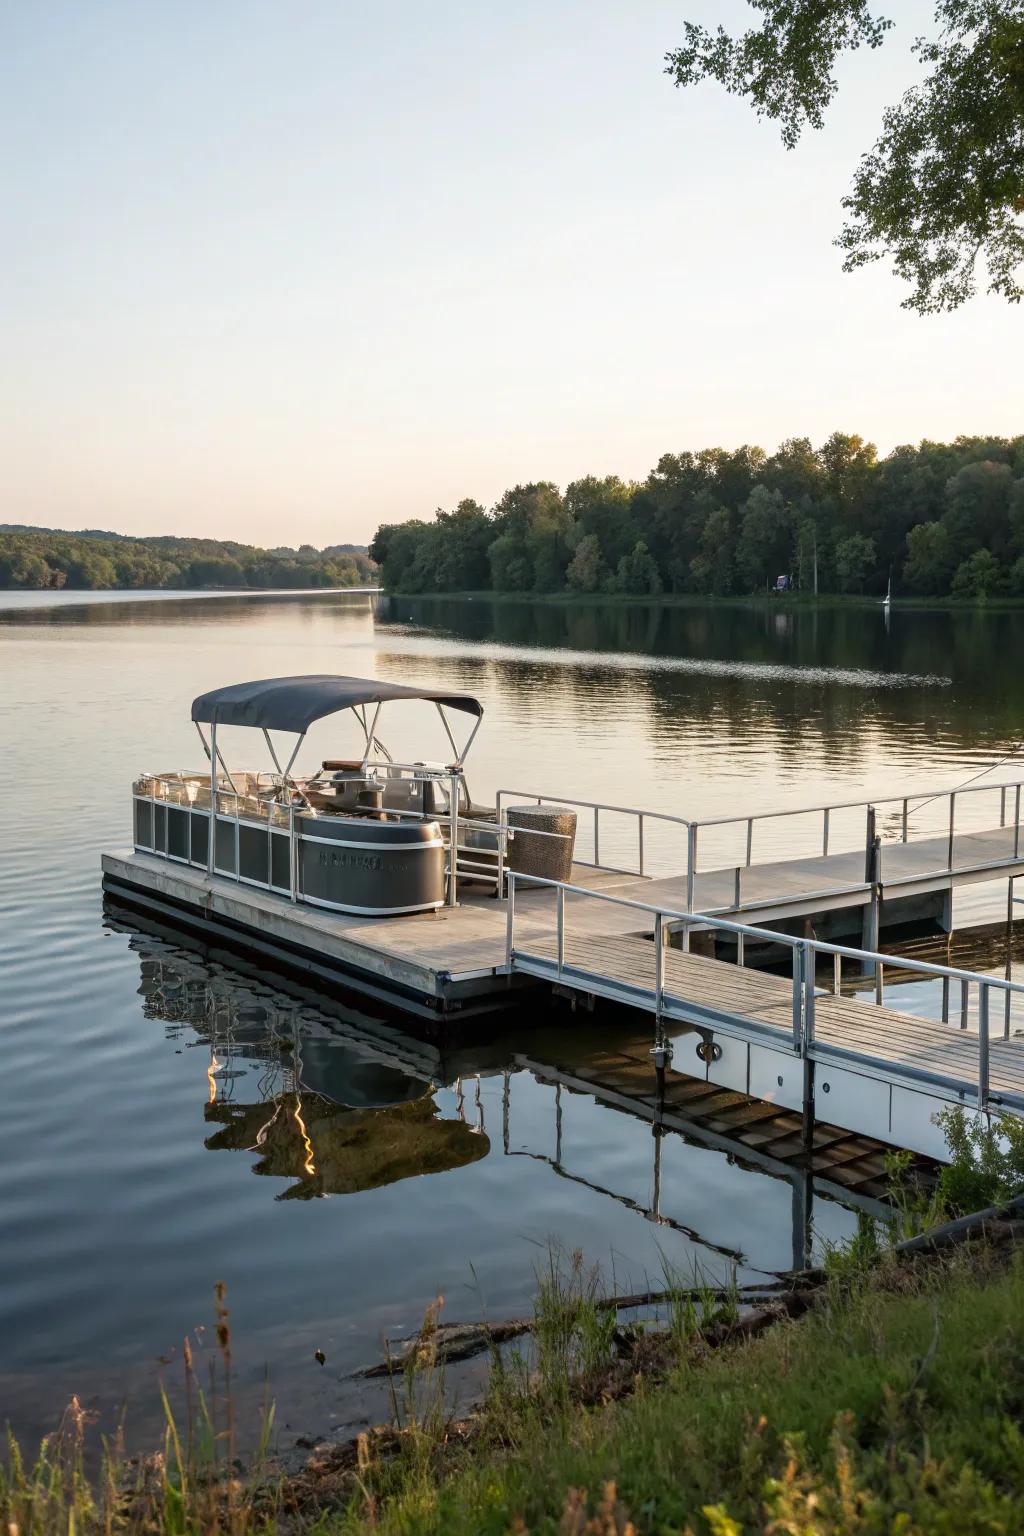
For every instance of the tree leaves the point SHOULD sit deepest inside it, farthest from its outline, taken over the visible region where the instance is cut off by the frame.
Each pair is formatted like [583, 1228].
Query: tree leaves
[942, 188]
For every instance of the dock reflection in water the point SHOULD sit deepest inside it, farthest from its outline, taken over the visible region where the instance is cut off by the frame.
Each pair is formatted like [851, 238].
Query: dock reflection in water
[331, 1101]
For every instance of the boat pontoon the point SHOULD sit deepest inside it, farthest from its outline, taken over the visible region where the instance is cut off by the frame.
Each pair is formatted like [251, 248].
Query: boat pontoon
[367, 836]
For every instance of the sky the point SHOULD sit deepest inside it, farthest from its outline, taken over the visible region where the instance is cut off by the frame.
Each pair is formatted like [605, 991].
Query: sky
[282, 272]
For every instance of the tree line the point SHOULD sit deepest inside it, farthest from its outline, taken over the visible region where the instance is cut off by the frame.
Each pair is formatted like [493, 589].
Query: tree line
[935, 519]
[48, 557]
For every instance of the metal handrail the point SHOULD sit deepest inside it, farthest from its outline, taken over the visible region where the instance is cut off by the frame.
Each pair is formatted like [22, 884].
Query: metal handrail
[804, 989]
[822, 946]
[851, 805]
[597, 806]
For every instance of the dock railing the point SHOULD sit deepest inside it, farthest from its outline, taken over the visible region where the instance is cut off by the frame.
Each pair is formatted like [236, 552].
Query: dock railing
[872, 826]
[595, 810]
[889, 819]
[655, 993]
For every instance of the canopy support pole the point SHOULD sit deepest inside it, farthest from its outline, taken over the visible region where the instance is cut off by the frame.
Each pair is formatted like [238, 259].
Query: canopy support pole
[202, 738]
[448, 732]
[370, 737]
[270, 749]
[211, 836]
[470, 741]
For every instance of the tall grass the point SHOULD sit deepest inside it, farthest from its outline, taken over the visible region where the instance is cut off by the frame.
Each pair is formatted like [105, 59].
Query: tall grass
[190, 1486]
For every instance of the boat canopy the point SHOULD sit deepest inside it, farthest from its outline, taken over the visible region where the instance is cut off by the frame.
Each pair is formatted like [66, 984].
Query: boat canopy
[294, 703]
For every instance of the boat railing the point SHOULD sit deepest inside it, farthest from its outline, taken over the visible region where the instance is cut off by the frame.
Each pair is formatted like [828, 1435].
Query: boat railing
[476, 847]
[553, 952]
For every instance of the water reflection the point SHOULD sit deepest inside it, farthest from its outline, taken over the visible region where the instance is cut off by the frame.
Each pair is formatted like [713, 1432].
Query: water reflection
[334, 1115]
[335, 1103]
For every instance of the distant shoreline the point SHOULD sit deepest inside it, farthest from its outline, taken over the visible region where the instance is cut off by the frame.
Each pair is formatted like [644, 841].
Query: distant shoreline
[774, 601]
[50, 597]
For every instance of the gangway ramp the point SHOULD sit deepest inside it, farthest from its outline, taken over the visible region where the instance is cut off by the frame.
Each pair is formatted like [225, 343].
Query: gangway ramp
[885, 1071]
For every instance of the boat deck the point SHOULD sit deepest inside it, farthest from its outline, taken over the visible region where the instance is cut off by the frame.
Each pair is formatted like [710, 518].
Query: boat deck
[438, 958]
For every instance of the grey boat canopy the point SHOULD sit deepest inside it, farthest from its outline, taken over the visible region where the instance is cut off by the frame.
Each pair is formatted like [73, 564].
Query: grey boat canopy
[294, 703]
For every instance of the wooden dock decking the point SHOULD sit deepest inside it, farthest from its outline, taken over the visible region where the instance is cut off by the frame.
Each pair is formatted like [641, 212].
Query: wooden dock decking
[724, 998]
[783, 888]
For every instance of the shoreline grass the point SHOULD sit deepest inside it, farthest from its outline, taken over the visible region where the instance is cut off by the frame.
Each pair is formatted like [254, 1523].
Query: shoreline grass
[895, 1402]
[883, 1392]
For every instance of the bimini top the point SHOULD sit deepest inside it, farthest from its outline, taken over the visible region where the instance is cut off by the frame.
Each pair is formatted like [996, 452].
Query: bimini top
[293, 703]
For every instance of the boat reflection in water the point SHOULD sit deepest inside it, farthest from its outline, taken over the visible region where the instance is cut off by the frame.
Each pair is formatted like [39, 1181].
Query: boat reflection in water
[328, 1111]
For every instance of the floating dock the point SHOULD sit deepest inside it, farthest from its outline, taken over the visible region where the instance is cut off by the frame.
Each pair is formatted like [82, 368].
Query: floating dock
[796, 1041]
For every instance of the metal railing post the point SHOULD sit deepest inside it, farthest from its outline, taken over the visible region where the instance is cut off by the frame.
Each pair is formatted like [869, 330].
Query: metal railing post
[963, 1004]
[824, 834]
[952, 817]
[798, 996]
[502, 834]
[691, 861]
[597, 835]
[736, 888]
[904, 821]
[453, 827]
[560, 925]
[640, 837]
[293, 854]
[1016, 824]
[808, 970]
[510, 920]
[837, 974]
[659, 966]
[869, 846]
[1002, 806]
[750, 839]
[741, 950]
[983, 1046]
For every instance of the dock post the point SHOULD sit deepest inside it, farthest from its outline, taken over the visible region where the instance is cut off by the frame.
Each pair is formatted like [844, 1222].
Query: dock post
[798, 996]
[659, 967]
[807, 966]
[510, 921]
[983, 1046]
[1008, 997]
[872, 869]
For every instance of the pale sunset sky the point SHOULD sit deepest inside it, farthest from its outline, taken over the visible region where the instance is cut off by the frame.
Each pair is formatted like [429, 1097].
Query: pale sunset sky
[280, 272]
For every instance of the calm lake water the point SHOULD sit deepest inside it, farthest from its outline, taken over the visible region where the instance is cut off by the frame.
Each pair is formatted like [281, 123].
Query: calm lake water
[151, 1139]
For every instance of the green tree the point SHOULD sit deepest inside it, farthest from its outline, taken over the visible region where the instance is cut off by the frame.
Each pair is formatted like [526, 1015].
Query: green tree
[978, 506]
[930, 558]
[765, 540]
[712, 570]
[855, 560]
[944, 182]
[586, 569]
[637, 573]
[977, 576]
